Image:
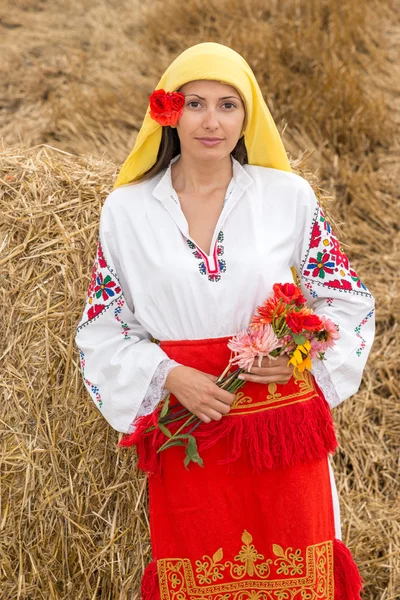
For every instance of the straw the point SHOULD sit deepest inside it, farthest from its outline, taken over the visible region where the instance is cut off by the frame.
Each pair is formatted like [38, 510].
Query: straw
[73, 509]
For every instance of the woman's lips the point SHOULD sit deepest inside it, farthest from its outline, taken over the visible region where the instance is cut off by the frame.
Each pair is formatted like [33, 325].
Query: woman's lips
[209, 142]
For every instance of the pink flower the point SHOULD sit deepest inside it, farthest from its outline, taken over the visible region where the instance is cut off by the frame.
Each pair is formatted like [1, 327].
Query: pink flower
[287, 344]
[252, 343]
[330, 332]
[317, 346]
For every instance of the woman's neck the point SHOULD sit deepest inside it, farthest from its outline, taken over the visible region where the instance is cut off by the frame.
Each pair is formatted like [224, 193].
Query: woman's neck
[191, 176]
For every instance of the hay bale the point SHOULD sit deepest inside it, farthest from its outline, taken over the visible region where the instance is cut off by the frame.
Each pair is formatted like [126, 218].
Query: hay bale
[74, 509]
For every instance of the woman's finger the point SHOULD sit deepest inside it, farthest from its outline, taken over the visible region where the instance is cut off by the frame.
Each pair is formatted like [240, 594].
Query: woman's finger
[264, 372]
[277, 362]
[215, 415]
[203, 417]
[268, 379]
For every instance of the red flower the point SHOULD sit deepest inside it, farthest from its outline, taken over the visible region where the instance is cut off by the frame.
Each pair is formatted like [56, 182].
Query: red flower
[304, 320]
[166, 107]
[289, 292]
[312, 323]
[266, 310]
[295, 321]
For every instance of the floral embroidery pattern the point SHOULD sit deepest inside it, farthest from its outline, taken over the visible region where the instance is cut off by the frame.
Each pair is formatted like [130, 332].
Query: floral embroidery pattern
[357, 330]
[117, 312]
[104, 289]
[293, 574]
[93, 388]
[326, 263]
[300, 389]
[310, 289]
[290, 562]
[209, 568]
[213, 271]
[321, 265]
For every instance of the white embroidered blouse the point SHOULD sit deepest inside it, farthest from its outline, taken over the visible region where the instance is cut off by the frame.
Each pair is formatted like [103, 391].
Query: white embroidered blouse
[151, 280]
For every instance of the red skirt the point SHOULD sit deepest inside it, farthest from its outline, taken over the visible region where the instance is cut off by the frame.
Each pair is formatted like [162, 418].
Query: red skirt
[256, 522]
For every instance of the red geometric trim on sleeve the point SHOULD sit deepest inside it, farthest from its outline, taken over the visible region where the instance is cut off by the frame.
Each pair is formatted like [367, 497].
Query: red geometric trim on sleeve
[326, 264]
[103, 291]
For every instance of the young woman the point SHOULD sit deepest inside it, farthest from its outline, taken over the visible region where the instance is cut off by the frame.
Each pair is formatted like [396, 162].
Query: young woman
[205, 217]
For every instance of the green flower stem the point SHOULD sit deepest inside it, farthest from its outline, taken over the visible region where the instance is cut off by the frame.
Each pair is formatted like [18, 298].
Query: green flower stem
[165, 445]
[222, 382]
[225, 384]
[237, 384]
[169, 418]
[231, 383]
[176, 413]
[282, 329]
[167, 422]
[196, 425]
[221, 377]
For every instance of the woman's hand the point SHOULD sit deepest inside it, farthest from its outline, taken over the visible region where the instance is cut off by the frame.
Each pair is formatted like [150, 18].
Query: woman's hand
[271, 371]
[198, 393]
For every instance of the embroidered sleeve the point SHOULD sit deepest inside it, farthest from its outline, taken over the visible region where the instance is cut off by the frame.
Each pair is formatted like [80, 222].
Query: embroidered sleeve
[333, 288]
[118, 358]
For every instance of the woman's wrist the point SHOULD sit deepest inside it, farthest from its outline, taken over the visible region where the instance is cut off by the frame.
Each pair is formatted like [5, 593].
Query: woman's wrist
[172, 378]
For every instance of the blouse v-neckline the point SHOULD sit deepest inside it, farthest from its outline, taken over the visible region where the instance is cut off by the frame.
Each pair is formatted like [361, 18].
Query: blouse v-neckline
[211, 256]
[166, 193]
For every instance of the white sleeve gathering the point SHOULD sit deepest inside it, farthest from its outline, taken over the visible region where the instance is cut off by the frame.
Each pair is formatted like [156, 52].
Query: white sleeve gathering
[156, 390]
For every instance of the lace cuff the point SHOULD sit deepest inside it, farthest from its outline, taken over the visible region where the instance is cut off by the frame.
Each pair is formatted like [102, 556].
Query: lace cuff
[323, 380]
[156, 390]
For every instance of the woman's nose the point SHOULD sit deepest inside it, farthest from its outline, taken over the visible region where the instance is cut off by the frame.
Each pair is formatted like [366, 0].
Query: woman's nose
[211, 119]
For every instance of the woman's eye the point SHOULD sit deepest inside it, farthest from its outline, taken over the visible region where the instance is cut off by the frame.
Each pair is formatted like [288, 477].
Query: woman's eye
[196, 102]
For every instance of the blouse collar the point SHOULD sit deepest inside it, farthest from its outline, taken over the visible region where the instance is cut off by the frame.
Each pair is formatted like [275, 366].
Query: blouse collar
[164, 188]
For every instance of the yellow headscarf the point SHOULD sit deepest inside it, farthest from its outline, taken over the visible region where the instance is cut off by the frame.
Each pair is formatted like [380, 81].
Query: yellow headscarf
[210, 60]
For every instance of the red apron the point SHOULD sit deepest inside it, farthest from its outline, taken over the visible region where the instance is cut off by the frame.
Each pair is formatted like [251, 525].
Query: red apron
[256, 522]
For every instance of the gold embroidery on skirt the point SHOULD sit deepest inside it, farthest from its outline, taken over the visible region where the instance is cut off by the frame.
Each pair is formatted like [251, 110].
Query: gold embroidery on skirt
[252, 579]
[240, 398]
[304, 380]
[273, 394]
[276, 396]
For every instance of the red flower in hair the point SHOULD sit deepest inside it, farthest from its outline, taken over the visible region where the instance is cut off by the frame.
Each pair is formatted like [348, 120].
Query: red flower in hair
[166, 107]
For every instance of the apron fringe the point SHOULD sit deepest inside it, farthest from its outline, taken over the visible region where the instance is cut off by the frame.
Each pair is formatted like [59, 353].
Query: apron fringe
[277, 438]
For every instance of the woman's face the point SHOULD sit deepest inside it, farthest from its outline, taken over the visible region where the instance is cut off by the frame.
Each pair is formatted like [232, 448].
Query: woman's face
[212, 110]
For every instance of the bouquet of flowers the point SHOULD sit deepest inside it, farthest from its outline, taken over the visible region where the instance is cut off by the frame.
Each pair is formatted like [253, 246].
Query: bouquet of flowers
[282, 325]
